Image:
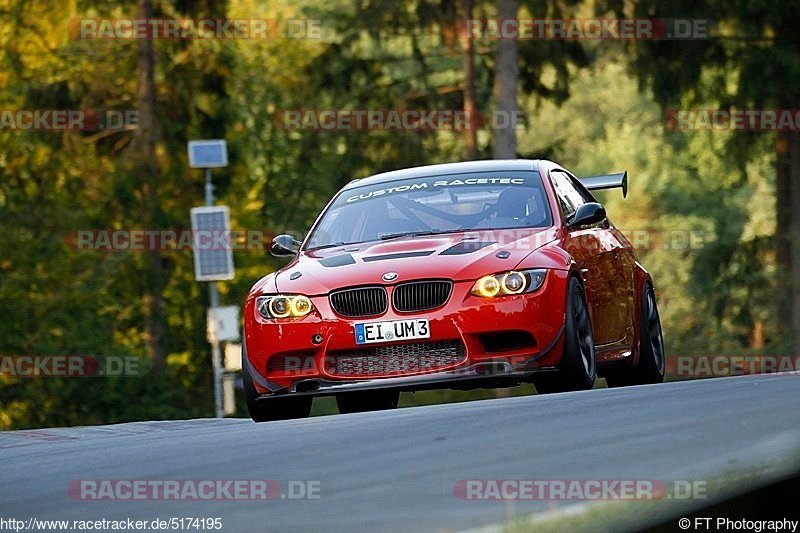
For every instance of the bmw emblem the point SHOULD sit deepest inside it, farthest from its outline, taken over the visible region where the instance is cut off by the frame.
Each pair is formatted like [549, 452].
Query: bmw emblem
[390, 276]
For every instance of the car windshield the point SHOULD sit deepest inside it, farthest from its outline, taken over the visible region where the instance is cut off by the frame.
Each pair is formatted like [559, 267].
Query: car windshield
[431, 205]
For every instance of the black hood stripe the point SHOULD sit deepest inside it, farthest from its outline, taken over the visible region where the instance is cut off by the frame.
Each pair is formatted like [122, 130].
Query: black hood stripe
[403, 255]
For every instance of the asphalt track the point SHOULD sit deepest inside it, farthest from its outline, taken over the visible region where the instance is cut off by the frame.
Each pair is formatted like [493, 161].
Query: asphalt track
[396, 471]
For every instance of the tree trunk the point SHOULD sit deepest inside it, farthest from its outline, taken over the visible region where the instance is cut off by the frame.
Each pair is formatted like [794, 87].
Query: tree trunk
[787, 239]
[506, 77]
[468, 59]
[147, 170]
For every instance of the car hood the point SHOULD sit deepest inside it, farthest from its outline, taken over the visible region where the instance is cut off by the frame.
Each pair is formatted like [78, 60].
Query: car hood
[458, 256]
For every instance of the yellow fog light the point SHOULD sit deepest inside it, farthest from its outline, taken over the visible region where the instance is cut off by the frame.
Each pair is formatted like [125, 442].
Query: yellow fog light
[300, 306]
[487, 286]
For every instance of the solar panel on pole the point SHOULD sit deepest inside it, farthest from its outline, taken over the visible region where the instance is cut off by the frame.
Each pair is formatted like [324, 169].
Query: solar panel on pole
[212, 245]
[211, 153]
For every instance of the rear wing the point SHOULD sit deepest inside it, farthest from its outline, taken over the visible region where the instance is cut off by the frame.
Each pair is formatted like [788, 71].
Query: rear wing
[607, 181]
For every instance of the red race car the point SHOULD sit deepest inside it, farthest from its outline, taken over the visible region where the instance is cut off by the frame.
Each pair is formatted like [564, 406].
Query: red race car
[463, 275]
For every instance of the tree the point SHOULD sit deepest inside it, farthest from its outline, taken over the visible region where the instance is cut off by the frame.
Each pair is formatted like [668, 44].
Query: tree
[470, 105]
[73, 301]
[506, 80]
[751, 61]
[146, 167]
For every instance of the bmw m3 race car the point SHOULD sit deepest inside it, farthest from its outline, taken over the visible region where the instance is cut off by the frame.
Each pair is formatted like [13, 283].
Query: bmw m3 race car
[461, 275]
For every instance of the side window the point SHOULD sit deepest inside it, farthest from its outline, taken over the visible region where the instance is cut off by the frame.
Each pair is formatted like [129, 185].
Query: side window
[583, 191]
[568, 195]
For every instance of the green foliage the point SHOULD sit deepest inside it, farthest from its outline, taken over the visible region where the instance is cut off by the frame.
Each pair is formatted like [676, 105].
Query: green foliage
[583, 106]
[700, 222]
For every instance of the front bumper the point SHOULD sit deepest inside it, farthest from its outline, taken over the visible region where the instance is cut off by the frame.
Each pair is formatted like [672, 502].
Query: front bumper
[477, 375]
[465, 318]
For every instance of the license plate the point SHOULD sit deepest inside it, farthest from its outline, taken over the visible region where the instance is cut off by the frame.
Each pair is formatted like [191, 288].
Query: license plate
[392, 330]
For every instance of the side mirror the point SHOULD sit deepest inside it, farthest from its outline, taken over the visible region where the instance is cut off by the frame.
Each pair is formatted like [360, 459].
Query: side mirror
[283, 246]
[588, 214]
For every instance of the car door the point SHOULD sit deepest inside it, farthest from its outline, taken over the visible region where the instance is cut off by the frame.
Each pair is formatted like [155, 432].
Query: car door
[595, 249]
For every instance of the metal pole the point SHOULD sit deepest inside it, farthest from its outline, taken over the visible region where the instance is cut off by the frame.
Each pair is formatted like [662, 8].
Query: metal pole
[213, 297]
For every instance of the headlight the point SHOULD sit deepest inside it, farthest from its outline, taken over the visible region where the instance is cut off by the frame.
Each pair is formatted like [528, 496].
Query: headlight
[283, 306]
[508, 283]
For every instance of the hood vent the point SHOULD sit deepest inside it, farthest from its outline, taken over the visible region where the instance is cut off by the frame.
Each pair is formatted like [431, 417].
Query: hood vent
[466, 247]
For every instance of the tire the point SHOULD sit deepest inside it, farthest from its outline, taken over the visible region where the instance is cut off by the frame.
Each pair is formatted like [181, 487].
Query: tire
[358, 402]
[577, 370]
[271, 409]
[651, 348]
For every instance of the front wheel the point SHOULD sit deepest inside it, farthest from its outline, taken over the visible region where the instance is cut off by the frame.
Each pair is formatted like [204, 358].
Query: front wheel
[577, 370]
[271, 409]
[651, 348]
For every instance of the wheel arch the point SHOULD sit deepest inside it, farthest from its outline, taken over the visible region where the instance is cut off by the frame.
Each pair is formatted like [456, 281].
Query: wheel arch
[642, 279]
